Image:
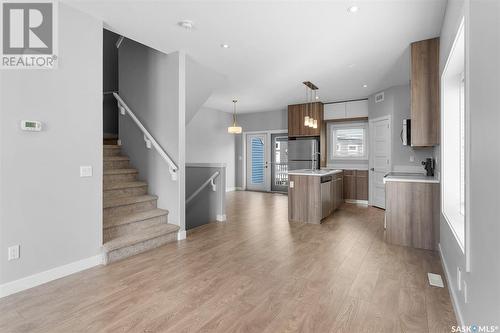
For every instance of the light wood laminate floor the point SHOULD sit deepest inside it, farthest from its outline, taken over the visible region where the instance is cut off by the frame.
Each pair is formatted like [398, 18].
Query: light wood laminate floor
[255, 273]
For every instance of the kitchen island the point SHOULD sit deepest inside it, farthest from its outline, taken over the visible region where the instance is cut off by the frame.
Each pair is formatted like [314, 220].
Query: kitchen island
[314, 194]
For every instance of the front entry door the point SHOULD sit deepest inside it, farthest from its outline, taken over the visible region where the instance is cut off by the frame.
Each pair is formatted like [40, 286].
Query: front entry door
[257, 162]
[380, 160]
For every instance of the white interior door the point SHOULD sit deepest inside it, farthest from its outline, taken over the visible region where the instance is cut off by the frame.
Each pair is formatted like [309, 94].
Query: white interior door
[380, 158]
[257, 163]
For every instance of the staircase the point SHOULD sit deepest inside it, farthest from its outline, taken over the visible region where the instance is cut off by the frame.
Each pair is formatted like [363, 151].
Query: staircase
[132, 222]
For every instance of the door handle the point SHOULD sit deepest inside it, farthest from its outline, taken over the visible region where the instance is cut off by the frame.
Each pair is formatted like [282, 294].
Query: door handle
[372, 169]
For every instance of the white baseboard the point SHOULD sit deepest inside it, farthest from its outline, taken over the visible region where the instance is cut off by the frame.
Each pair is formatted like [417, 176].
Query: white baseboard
[358, 202]
[454, 299]
[181, 235]
[230, 189]
[221, 217]
[34, 280]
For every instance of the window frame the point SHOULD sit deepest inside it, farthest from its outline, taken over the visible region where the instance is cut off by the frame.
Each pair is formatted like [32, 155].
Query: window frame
[451, 211]
[332, 126]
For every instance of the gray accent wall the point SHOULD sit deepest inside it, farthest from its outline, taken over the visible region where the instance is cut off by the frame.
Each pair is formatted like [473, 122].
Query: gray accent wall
[397, 104]
[45, 206]
[258, 121]
[207, 141]
[483, 304]
[150, 83]
[109, 82]
[205, 207]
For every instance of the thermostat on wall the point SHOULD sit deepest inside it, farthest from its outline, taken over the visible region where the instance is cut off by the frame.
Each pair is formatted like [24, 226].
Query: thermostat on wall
[31, 125]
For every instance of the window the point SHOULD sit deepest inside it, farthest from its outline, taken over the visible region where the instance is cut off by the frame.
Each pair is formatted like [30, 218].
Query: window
[348, 141]
[454, 122]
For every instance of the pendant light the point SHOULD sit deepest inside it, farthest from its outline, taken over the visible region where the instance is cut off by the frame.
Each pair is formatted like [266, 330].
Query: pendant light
[235, 129]
[307, 119]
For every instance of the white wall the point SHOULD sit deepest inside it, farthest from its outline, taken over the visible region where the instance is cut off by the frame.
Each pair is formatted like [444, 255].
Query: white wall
[397, 104]
[150, 83]
[483, 44]
[54, 215]
[207, 141]
[257, 121]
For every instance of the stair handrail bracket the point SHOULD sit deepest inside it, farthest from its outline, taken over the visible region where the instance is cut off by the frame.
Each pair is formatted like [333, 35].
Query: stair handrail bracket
[208, 181]
[148, 138]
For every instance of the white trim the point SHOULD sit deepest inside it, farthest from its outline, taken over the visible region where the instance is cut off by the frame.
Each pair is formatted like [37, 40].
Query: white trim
[465, 244]
[37, 279]
[371, 161]
[181, 235]
[221, 217]
[357, 202]
[454, 299]
[205, 165]
[231, 189]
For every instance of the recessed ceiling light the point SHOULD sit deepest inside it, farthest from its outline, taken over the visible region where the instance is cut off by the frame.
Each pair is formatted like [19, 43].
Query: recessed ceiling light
[186, 24]
[365, 86]
[317, 97]
[224, 46]
[353, 9]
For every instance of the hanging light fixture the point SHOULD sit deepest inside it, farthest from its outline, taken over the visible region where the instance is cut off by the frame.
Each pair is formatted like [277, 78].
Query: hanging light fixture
[235, 129]
[309, 121]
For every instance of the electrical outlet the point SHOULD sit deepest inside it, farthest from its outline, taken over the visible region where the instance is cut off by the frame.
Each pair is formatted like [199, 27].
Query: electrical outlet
[412, 158]
[85, 171]
[13, 252]
[292, 184]
[459, 278]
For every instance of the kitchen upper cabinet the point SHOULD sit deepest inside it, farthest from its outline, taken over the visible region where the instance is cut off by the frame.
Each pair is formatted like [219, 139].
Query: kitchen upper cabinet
[356, 109]
[335, 111]
[346, 110]
[296, 114]
[424, 86]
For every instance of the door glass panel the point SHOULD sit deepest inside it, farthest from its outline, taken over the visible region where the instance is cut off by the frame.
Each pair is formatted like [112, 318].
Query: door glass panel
[280, 163]
[258, 151]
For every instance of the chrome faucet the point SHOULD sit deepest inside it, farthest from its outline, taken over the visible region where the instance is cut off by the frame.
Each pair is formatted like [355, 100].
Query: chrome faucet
[313, 167]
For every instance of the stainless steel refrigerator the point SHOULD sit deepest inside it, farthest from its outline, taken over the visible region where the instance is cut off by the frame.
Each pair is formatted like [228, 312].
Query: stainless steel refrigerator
[302, 152]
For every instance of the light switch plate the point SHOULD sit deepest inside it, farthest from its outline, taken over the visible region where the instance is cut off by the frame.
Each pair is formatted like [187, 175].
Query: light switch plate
[435, 280]
[13, 252]
[292, 184]
[85, 171]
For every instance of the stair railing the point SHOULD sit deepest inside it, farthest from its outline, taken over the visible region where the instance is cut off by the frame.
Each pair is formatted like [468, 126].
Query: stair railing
[148, 138]
[208, 181]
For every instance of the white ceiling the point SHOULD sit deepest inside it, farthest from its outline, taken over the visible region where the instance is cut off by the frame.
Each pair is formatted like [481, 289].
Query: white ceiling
[275, 45]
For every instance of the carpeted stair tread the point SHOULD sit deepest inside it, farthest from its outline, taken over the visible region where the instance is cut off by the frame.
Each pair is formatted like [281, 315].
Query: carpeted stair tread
[144, 235]
[122, 201]
[116, 158]
[122, 185]
[134, 217]
[119, 171]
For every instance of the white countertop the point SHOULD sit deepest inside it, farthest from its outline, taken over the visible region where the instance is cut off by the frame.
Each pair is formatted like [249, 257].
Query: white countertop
[309, 172]
[410, 177]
